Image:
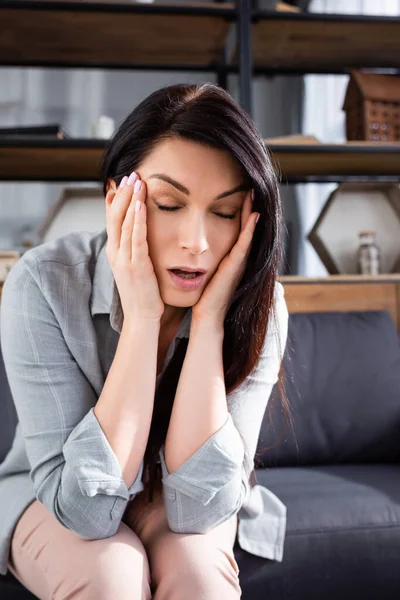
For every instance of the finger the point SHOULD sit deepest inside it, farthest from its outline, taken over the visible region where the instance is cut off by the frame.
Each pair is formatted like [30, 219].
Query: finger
[241, 249]
[139, 234]
[111, 237]
[246, 210]
[117, 206]
[125, 244]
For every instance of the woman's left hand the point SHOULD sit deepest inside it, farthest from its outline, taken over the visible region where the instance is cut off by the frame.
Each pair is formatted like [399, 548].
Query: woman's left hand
[213, 303]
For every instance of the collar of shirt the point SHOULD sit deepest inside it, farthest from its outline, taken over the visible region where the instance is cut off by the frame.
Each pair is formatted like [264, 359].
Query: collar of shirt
[105, 296]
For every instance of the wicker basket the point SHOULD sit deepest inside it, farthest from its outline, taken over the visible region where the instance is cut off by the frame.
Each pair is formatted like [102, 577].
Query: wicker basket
[372, 106]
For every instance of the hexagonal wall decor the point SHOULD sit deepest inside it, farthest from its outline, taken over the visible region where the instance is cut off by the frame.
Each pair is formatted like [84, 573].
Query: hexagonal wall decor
[351, 208]
[77, 209]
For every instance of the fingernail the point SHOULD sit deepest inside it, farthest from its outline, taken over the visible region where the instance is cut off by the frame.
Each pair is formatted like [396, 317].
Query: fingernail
[258, 216]
[138, 185]
[123, 182]
[132, 178]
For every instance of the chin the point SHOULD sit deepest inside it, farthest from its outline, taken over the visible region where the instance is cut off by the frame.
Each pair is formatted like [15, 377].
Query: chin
[179, 299]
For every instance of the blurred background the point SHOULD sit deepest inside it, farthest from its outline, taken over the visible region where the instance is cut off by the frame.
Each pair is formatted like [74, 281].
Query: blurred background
[288, 68]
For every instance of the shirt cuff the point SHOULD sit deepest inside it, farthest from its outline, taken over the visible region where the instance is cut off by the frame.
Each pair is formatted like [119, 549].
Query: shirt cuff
[88, 452]
[210, 468]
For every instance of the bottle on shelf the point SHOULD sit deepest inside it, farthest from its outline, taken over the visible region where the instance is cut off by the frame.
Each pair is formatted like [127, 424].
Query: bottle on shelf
[368, 253]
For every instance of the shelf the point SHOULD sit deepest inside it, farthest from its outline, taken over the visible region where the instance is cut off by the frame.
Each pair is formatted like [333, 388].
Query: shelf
[384, 278]
[113, 35]
[192, 36]
[79, 160]
[315, 43]
[343, 293]
[45, 160]
[338, 162]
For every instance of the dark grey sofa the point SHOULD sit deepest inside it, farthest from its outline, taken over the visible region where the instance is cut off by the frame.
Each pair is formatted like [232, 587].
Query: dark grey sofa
[337, 469]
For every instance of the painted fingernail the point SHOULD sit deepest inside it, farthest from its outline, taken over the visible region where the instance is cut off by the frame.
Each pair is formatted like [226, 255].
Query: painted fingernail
[138, 185]
[123, 182]
[132, 178]
[258, 216]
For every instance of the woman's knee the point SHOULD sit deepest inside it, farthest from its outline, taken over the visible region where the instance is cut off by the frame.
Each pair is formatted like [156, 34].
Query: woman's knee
[115, 567]
[210, 577]
[53, 562]
[205, 568]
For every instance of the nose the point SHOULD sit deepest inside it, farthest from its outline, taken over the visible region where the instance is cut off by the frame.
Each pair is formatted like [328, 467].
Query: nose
[194, 235]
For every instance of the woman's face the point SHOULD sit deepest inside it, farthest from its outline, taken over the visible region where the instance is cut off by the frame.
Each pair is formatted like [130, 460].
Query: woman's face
[198, 234]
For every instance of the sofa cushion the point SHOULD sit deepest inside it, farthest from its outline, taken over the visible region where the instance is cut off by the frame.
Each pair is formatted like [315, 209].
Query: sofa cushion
[342, 535]
[342, 378]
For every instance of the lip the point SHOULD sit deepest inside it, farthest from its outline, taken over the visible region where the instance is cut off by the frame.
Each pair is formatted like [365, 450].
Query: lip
[187, 284]
[188, 269]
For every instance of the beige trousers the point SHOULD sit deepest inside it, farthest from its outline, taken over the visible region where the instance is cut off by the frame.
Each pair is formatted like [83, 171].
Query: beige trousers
[143, 560]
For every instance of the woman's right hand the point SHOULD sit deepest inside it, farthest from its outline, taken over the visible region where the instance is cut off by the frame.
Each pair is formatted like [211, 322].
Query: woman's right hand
[127, 251]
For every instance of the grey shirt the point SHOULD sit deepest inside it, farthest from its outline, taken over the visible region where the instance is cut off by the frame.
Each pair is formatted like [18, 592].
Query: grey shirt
[61, 318]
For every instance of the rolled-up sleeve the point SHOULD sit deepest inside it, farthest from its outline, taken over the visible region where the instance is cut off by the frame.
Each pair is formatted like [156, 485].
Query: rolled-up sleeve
[88, 453]
[213, 465]
[213, 484]
[207, 489]
[74, 471]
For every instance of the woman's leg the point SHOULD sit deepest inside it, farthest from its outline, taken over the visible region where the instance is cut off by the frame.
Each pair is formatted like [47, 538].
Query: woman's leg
[55, 563]
[195, 566]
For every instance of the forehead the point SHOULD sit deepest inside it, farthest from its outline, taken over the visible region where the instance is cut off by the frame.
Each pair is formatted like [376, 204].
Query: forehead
[192, 163]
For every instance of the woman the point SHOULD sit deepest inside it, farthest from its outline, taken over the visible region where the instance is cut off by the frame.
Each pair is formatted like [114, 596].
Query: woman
[140, 390]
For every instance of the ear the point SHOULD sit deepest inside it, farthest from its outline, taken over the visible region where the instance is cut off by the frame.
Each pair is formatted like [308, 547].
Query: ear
[111, 190]
[111, 185]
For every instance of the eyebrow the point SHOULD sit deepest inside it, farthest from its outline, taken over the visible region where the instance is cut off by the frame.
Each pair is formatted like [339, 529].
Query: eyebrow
[241, 187]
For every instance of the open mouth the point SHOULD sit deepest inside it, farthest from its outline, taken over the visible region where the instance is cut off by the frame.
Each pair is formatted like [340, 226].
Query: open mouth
[185, 274]
[187, 281]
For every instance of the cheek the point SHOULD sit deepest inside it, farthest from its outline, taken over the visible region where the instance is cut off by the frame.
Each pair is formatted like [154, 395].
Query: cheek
[151, 236]
[157, 240]
[227, 241]
[221, 245]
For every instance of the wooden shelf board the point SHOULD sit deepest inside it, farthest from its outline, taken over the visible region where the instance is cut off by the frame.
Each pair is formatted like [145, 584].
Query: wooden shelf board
[115, 35]
[79, 160]
[68, 160]
[324, 43]
[343, 293]
[351, 159]
[330, 279]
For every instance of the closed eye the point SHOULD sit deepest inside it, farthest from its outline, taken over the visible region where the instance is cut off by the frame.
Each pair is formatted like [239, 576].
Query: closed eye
[174, 208]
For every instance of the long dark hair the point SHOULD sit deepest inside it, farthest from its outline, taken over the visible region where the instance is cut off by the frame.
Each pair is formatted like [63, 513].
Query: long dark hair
[207, 114]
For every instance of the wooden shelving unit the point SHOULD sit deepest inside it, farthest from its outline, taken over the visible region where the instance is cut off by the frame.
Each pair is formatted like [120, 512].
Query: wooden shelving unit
[226, 37]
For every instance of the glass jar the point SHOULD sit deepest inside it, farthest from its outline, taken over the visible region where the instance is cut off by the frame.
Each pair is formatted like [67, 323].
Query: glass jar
[368, 254]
